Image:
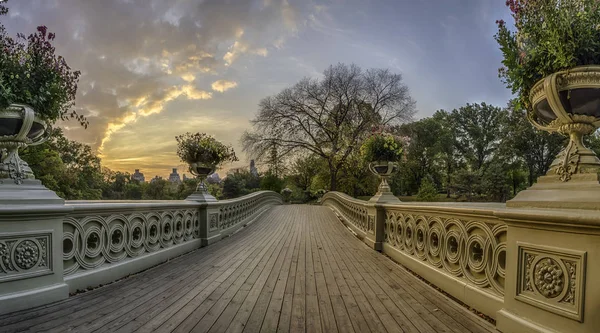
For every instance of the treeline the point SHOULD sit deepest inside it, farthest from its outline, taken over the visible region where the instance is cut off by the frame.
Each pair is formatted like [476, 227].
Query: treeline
[478, 152]
[74, 172]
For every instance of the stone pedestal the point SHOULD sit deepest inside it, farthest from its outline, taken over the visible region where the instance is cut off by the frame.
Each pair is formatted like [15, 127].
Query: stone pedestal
[31, 263]
[553, 265]
[582, 191]
[201, 196]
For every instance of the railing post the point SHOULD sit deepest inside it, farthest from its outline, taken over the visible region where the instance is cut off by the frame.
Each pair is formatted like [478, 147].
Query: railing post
[209, 224]
[31, 245]
[552, 271]
[376, 223]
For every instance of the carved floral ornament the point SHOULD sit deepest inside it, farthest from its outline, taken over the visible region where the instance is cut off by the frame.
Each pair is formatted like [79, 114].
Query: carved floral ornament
[549, 278]
[24, 256]
[552, 279]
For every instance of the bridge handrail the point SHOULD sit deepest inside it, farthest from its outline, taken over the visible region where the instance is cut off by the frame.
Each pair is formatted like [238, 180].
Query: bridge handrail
[353, 211]
[461, 248]
[104, 240]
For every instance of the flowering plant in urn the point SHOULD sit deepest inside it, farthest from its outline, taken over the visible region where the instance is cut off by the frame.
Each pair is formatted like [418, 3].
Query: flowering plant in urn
[204, 154]
[382, 151]
[37, 88]
[552, 61]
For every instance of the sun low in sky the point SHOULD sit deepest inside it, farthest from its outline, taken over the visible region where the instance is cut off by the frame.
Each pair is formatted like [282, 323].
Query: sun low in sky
[153, 69]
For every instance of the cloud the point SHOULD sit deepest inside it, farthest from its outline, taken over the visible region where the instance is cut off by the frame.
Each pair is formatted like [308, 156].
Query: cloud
[238, 48]
[139, 56]
[223, 85]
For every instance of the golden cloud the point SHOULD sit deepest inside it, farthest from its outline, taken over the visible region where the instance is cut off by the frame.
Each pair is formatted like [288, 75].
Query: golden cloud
[223, 85]
[148, 105]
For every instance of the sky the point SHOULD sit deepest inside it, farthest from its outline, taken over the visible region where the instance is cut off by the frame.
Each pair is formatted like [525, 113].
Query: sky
[154, 69]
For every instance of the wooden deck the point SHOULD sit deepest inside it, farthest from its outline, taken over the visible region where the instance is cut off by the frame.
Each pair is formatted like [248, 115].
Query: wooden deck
[298, 269]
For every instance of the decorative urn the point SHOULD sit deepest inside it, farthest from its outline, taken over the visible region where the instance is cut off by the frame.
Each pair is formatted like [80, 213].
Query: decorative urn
[384, 170]
[19, 127]
[567, 102]
[201, 171]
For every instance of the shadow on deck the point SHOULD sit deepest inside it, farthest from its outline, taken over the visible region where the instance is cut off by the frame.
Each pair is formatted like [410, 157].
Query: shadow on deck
[297, 269]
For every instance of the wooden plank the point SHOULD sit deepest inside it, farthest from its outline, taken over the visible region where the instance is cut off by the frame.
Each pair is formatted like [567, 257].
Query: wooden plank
[327, 316]
[163, 308]
[252, 287]
[286, 307]
[298, 318]
[313, 315]
[187, 318]
[371, 315]
[275, 304]
[251, 314]
[343, 321]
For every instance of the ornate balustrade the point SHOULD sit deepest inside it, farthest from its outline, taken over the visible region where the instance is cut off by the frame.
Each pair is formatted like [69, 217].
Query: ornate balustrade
[236, 213]
[353, 211]
[460, 249]
[105, 240]
[530, 269]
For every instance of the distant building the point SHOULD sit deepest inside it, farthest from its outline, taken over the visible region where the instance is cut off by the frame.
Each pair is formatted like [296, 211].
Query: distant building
[137, 175]
[253, 170]
[155, 179]
[174, 176]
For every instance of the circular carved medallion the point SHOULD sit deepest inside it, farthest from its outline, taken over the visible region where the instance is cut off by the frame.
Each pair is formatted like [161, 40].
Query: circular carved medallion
[27, 254]
[549, 278]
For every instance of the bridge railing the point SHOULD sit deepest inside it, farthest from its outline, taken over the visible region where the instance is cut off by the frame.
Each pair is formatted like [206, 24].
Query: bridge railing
[532, 270]
[47, 251]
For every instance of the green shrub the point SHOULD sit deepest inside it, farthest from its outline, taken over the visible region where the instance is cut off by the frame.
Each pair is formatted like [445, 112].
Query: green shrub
[427, 191]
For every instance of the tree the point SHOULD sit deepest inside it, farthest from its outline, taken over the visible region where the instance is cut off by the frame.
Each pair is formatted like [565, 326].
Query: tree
[427, 191]
[421, 152]
[303, 169]
[329, 117]
[537, 149]
[447, 153]
[69, 168]
[479, 129]
[271, 182]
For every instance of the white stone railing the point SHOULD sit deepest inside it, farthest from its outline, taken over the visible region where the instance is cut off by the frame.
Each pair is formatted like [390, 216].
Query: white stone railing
[105, 240]
[236, 213]
[353, 211]
[459, 248]
[462, 250]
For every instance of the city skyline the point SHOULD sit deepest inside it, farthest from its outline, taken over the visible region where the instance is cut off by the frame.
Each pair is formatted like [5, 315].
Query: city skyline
[152, 70]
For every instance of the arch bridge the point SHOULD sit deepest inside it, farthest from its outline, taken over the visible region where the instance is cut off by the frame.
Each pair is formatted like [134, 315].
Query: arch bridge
[254, 264]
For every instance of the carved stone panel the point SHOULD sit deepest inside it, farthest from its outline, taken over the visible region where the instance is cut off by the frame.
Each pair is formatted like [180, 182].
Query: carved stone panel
[213, 221]
[25, 255]
[552, 279]
[371, 226]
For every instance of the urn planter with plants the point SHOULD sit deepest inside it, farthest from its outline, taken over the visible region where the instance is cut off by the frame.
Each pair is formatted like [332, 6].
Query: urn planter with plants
[204, 154]
[382, 151]
[37, 88]
[286, 193]
[552, 62]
